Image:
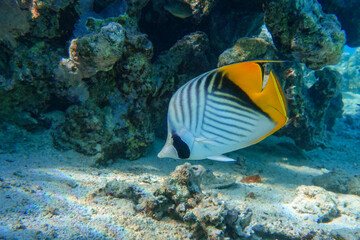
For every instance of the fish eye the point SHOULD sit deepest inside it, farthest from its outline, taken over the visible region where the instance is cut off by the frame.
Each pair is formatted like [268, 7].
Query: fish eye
[181, 147]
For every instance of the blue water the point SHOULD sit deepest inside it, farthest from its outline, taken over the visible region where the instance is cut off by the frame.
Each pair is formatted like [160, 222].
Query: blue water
[350, 50]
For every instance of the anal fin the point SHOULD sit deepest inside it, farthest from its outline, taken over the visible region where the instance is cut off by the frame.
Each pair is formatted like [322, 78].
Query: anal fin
[221, 158]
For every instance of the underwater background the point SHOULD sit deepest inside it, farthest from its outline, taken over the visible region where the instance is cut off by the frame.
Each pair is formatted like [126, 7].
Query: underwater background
[84, 92]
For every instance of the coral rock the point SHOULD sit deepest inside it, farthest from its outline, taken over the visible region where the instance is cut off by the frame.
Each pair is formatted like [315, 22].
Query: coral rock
[123, 189]
[247, 49]
[311, 110]
[108, 74]
[84, 130]
[210, 180]
[14, 22]
[207, 216]
[338, 181]
[315, 203]
[302, 30]
[97, 51]
[348, 13]
[184, 183]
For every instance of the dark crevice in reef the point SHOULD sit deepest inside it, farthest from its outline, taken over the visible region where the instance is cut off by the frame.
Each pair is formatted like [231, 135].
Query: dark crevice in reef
[241, 19]
[58, 103]
[162, 35]
[5, 55]
[67, 19]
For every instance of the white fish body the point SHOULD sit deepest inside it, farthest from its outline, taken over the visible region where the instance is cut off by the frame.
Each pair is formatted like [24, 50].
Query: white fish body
[217, 112]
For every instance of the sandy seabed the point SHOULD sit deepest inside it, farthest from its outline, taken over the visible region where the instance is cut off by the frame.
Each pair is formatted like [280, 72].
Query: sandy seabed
[46, 193]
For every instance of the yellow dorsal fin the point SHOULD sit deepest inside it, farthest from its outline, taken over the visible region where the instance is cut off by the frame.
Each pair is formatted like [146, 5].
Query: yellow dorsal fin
[249, 76]
[246, 75]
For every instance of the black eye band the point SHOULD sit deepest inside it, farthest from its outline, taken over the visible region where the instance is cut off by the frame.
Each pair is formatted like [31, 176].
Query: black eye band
[181, 147]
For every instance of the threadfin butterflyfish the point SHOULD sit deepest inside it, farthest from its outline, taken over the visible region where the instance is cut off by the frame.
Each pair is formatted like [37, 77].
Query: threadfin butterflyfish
[224, 110]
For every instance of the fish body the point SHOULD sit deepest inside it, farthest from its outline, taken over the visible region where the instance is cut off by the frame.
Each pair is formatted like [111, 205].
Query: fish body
[178, 9]
[224, 110]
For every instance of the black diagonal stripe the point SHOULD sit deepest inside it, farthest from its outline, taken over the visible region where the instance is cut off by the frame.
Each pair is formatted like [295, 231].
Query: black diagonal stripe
[218, 135]
[233, 107]
[224, 123]
[210, 110]
[224, 130]
[233, 99]
[231, 88]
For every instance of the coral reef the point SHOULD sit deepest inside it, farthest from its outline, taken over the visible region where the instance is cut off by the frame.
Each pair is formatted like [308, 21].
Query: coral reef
[116, 82]
[186, 59]
[98, 75]
[347, 12]
[310, 109]
[302, 31]
[48, 19]
[120, 110]
[180, 197]
[31, 45]
[26, 91]
[83, 129]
